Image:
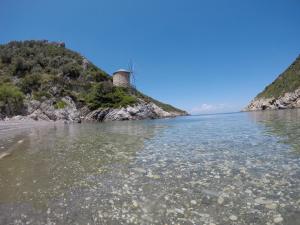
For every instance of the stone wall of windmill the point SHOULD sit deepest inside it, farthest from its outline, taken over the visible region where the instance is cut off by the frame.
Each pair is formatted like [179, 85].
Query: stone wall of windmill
[121, 78]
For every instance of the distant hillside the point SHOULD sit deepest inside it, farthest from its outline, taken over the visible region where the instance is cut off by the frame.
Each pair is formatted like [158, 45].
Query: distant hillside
[42, 70]
[287, 82]
[282, 93]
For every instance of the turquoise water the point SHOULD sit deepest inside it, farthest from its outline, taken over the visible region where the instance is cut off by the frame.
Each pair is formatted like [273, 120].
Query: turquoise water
[241, 168]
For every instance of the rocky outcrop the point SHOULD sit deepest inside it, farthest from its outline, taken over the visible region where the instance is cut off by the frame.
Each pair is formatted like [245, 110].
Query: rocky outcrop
[288, 101]
[46, 111]
[139, 111]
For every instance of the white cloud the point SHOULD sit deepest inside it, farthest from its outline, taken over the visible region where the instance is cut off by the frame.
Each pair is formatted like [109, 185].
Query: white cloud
[213, 108]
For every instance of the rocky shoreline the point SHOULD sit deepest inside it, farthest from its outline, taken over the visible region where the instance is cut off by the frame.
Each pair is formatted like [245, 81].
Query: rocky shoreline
[46, 111]
[288, 101]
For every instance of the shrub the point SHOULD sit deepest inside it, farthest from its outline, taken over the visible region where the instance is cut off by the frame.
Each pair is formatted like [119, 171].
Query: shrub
[11, 99]
[30, 83]
[60, 105]
[71, 70]
[21, 67]
[6, 58]
[38, 95]
[99, 76]
[101, 96]
[5, 79]
[42, 60]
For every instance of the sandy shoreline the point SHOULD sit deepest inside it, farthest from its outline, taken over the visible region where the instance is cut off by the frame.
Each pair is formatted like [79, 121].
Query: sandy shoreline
[11, 125]
[12, 128]
[13, 133]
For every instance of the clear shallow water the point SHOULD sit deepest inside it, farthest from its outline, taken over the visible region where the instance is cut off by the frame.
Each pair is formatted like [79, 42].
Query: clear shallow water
[219, 169]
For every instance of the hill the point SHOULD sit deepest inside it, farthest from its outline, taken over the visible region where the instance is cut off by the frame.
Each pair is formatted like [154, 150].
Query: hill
[282, 93]
[45, 80]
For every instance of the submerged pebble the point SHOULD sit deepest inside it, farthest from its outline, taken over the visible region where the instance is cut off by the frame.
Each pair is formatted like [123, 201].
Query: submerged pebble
[233, 218]
[193, 202]
[271, 206]
[278, 219]
[220, 200]
[135, 204]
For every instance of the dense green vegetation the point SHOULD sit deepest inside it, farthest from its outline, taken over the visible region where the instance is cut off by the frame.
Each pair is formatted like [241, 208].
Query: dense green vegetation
[41, 69]
[106, 95]
[288, 81]
[11, 99]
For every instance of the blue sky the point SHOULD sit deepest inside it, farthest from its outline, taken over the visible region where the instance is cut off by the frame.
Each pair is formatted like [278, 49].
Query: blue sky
[204, 56]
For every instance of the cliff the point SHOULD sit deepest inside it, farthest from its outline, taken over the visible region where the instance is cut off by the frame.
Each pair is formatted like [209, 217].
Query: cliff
[41, 80]
[283, 93]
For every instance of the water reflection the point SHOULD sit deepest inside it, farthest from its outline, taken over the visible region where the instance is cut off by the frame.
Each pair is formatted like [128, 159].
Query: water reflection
[284, 124]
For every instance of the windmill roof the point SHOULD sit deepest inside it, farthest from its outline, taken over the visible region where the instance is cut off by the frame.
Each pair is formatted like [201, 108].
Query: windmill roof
[122, 70]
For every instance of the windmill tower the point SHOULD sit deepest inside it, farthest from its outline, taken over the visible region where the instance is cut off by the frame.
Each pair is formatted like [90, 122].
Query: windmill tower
[125, 78]
[121, 78]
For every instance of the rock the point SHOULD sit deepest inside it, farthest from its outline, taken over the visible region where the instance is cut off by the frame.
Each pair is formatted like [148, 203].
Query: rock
[264, 201]
[2, 116]
[220, 200]
[271, 206]
[278, 219]
[142, 110]
[85, 64]
[179, 211]
[193, 202]
[97, 115]
[249, 192]
[288, 101]
[159, 111]
[4, 154]
[233, 218]
[54, 90]
[38, 115]
[19, 117]
[84, 111]
[69, 112]
[46, 110]
[135, 204]
[32, 106]
[58, 44]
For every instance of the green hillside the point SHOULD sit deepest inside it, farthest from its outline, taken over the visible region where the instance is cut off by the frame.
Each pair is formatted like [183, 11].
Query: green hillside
[41, 70]
[288, 81]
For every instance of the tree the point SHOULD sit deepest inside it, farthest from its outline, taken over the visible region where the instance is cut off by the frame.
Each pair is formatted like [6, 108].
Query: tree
[11, 100]
[71, 70]
[21, 67]
[30, 83]
[104, 95]
[6, 58]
